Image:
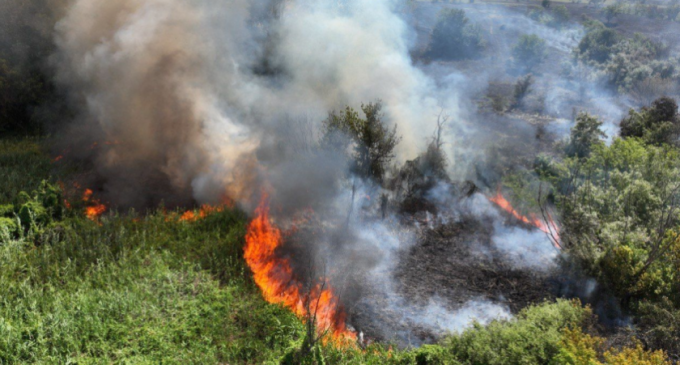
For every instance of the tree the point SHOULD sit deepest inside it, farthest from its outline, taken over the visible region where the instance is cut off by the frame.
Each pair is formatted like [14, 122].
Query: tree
[657, 124]
[454, 37]
[529, 51]
[598, 44]
[372, 141]
[586, 133]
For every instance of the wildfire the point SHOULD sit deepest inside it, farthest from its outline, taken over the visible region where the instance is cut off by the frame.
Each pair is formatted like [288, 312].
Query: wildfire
[548, 226]
[275, 278]
[95, 208]
[204, 211]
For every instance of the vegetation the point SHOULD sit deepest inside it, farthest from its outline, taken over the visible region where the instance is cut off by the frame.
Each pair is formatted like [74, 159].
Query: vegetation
[629, 64]
[528, 52]
[372, 141]
[454, 37]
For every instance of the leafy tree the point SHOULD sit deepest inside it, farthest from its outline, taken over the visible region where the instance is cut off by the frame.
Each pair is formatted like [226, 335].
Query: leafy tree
[598, 44]
[529, 51]
[657, 124]
[372, 141]
[454, 37]
[586, 133]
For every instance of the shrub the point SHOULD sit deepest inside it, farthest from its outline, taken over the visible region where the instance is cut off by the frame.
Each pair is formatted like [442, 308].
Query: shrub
[586, 133]
[657, 124]
[529, 52]
[597, 45]
[533, 337]
[454, 38]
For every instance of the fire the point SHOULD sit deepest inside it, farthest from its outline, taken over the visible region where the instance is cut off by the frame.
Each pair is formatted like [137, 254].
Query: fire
[95, 208]
[548, 226]
[274, 276]
[205, 210]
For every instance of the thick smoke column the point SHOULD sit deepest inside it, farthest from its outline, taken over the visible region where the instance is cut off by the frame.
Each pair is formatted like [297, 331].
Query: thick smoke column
[195, 95]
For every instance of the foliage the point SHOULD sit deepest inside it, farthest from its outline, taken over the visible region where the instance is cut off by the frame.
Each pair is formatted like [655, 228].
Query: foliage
[586, 134]
[533, 337]
[627, 62]
[579, 348]
[657, 124]
[619, 221]
[597, 46]
[660, 320]
[454, 37]
[529, 51]
[636, 356]
[372, 141]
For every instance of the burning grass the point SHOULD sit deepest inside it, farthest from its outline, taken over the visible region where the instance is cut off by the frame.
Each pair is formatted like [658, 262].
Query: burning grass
[274, 276]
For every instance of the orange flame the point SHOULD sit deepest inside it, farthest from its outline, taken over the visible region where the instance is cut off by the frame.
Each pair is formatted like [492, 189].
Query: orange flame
[549, 226]
[204, 211]
[95, 208]
[274, 276]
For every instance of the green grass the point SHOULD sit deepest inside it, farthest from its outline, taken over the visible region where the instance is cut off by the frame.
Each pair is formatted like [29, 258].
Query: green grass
[141, 292]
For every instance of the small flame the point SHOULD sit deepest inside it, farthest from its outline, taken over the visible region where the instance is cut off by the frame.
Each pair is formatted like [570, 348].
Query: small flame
[274, 276]
[95, 208]
[205, 210]
[548, 226]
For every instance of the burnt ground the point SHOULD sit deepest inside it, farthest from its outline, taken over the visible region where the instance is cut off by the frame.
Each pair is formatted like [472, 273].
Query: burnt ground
[454, 264]
[458, 262]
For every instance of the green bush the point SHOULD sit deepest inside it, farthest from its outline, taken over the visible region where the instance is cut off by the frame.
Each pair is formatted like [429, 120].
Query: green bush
[454, 38]
[9, 227]
[657, 124]
[533, 337]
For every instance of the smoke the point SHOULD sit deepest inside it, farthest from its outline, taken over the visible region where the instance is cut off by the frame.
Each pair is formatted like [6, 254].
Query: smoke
[193, 95]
